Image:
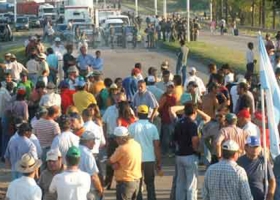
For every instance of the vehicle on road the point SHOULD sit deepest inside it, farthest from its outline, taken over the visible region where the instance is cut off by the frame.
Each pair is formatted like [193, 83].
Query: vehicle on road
[6, 33]
[34, 22]
[47, 10]
[124, 18]
[22, 23]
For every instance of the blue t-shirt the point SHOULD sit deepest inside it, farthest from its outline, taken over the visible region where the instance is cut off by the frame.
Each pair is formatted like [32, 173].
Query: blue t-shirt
[256, 175]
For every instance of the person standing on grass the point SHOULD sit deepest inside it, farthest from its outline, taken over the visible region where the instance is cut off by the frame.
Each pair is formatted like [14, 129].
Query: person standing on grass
[182, 60]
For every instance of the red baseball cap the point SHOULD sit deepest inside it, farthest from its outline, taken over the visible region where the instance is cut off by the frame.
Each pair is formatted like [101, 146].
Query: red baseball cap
[244, 113]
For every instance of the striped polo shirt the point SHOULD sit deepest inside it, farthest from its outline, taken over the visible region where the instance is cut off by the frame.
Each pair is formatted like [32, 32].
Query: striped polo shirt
[46, 130]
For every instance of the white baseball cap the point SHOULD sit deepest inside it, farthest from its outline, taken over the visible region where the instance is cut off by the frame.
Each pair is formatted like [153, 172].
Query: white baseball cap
[57, 39]
[121, 131]
[53, 154]
[230, 145]
[192, 70]
[170, 83]
[151, 79]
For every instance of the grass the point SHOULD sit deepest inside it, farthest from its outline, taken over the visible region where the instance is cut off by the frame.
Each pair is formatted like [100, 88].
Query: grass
[207, 53]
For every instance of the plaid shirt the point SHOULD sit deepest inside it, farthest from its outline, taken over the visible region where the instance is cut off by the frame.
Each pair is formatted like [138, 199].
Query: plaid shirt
[226, 181]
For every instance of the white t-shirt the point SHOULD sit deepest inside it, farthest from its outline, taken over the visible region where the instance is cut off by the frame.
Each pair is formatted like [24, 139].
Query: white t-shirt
[250, 57]
[71, 185]
[252, 129]
[110, 119]
[200, 85]
[64, 141]
[24, 188]
[229, 78]
[234, 96]
[98, 131]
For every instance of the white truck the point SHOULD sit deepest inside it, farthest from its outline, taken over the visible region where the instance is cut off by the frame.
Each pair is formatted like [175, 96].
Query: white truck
[78, 11]
[47, 10]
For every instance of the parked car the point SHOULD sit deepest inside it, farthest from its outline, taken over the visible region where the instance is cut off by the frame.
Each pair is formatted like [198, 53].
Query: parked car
[34, 22]
[22, 23]
[6, 33]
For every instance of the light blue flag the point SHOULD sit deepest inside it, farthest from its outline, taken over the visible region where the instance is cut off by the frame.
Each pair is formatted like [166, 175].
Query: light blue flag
[272, 96]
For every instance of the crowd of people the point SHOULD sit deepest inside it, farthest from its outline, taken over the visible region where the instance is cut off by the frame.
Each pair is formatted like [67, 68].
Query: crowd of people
[61, 121]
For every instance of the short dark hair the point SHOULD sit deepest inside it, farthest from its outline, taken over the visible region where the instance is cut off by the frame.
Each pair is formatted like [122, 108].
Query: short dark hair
[108, 82]
[40, 84]
[138, 65]
[227, 154]
[219, 78]
[165, 72]
[52, 110]
[190, 108]
[64, 122]
[142, 116]
[177, 79]
[182, 42]
[211, 86]
[50, 50]
[23, 128]
[250, 44]
[86, 113]
[243, 86]
[72, 161]
[151, 69]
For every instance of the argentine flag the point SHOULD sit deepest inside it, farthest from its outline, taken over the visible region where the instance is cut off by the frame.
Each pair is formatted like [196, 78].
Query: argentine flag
[272, 96]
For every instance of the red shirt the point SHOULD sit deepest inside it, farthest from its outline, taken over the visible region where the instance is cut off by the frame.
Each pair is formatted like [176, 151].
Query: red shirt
[164, 111]
[66, 99]
[125, 123]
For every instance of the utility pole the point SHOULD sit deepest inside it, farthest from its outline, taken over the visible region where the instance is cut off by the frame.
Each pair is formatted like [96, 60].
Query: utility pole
[155, 7]
[211, 10]
[136, 8]
[164, 9]
[15, 11]
[188, 20]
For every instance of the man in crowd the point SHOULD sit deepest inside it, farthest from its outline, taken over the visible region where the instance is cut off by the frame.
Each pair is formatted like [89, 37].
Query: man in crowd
[46, 128]
[66, 139]
[254, 165]
[97, 61]
[244, 101]
[226, 180]
[146, 134]
[54, 166]
[181, 66]
[186, 138]
[231, 132]
[25, 188]
[130, 84]
[18, 147]
[51, 98]
[88, 165]
[72, 183]
[244, 121]
[84, 61]
[126, 161]
[82, 99]
[145, 97]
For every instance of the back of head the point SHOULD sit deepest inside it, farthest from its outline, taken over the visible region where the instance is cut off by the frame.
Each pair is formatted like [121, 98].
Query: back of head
[190, 109]
[23, 128]
[64, 122]
[108, 82]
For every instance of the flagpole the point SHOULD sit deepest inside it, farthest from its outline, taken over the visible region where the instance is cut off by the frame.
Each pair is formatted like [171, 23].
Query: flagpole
[264, 141]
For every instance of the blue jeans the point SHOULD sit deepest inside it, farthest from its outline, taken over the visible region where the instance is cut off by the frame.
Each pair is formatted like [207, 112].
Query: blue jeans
[166, 134]
[33, 78]
[186, 182]
[5, 135]
[127, 190]
[181, 69]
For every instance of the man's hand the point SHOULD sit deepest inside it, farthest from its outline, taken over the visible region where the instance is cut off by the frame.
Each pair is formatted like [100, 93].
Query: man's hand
[269, 196]
[116, 166]
[100, 193]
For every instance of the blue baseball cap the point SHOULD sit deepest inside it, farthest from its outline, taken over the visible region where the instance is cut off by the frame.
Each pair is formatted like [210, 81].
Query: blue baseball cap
[253, 141]
[80, 83]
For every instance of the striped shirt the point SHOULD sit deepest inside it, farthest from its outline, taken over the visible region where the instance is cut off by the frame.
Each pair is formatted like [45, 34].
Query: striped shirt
[46, 130]
[226, 181]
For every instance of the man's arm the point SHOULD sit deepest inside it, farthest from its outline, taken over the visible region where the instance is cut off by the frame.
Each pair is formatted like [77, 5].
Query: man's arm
[195, 143]
[218, 144]
[153, 114]
[157, 153]
[97, 184]
[271, 189]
